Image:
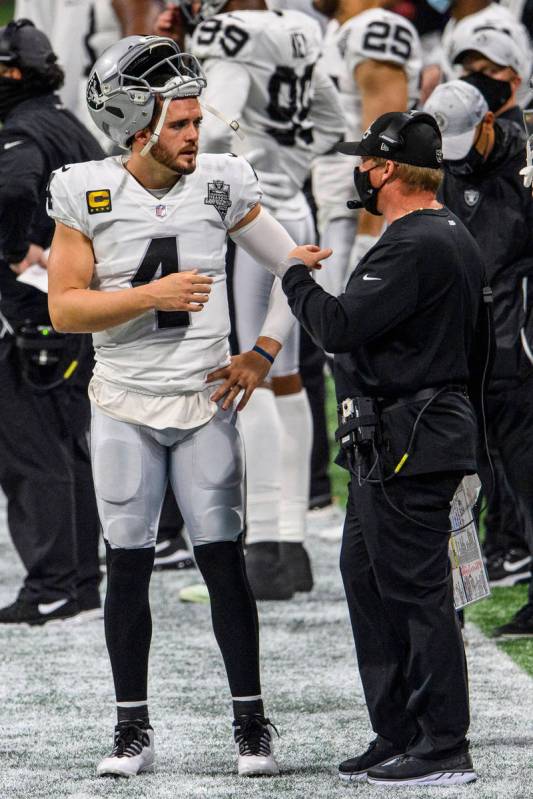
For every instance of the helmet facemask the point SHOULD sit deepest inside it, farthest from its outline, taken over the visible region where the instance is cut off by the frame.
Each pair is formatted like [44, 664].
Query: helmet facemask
[121, 94]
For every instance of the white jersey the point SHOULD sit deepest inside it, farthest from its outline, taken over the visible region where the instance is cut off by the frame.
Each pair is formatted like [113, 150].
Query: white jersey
[286, 112]
[377, 35]
[67, 24]
[137, 238]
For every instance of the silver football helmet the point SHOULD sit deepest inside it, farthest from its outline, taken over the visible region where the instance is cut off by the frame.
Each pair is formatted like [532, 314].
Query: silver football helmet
[195, 11]
[127, 77]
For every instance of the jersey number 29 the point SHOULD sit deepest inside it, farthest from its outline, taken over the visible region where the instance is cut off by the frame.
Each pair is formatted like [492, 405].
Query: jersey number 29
[162, 253]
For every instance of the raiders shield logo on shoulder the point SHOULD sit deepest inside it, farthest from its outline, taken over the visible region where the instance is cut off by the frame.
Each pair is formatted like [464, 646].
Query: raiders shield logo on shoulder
[218, 195]
[471, 197]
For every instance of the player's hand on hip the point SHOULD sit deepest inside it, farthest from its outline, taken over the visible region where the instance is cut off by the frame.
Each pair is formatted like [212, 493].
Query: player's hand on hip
[311, 255]
[180, 291]
[245, 373]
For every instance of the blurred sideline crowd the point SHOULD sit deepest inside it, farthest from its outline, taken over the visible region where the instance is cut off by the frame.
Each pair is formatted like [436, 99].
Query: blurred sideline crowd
[467, 62]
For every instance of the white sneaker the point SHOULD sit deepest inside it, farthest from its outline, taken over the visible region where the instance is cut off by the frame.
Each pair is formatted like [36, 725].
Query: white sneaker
[253, 741]
[132, 753]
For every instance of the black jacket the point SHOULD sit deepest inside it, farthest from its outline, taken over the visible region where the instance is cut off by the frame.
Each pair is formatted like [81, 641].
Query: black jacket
[39, 136]
[410, 319]
[498, 211]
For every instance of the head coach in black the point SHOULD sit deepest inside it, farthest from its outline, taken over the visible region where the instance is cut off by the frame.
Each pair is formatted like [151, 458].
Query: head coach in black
[44, 409]
[404, 335]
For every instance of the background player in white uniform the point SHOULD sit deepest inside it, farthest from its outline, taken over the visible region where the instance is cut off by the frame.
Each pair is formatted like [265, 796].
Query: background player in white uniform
[80, 30]
[261, 69]
[374, 58]
[125, 229]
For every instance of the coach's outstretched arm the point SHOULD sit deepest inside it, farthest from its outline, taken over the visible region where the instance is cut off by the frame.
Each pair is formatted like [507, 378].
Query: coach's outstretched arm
[75, 308]
[262, 237]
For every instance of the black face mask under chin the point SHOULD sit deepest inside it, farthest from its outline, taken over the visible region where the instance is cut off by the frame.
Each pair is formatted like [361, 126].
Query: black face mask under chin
[11, 94]
[366, 192]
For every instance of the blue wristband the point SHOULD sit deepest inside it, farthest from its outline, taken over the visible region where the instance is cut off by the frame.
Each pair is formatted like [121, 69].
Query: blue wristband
[264, 353]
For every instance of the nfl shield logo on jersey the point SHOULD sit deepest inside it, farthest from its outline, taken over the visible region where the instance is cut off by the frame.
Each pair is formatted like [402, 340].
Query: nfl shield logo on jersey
[471, 197]
[218, 195]
[161, 211]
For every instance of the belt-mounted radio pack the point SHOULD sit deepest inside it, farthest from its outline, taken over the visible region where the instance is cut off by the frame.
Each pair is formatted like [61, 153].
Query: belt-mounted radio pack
[358, 422]
[359, 437]
[47, 358]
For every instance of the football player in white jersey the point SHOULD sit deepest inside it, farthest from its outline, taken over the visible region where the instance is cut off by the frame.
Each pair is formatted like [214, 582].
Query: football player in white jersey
[138, 258]
[374, 57]
[261, 70]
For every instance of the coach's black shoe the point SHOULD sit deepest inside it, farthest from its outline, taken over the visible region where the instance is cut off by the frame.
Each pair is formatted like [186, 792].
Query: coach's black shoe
[408, 770]
[520, 626]
[379, 751]
[172, 554]
[22, 612]
[296, 560]
[268, 576]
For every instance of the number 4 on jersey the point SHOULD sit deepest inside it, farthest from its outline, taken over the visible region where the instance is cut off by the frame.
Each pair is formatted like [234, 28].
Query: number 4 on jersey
[162, 253]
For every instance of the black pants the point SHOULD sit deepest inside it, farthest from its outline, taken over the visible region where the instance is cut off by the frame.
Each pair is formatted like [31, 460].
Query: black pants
[312, 360]
[45, 472]
[510, 431]
[408, 641]
[504, 523]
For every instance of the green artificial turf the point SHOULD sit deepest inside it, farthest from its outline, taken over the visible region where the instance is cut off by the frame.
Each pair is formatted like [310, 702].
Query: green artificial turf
[499, 609]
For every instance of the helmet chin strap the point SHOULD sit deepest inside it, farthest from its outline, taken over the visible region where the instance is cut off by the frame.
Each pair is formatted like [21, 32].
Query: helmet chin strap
[234, 125]
[154, 138]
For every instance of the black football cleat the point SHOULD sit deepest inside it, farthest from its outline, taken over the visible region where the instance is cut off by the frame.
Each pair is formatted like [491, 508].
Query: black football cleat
[379, 751]
[296, 560]
[268, 576]
[409, 770]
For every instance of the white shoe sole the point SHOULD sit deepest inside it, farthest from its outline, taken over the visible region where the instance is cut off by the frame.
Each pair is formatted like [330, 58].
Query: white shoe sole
[437, 778]
[110, 772]
[259, 772]
[359, 777]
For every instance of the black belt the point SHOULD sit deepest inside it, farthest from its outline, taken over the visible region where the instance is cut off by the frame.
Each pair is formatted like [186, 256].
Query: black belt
[389, 404]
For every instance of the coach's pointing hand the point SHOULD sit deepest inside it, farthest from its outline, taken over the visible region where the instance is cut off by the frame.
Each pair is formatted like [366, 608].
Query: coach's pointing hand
[311, 255]
[180, 291]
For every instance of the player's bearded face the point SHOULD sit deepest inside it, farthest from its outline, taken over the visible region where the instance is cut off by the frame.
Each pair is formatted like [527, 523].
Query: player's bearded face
[177, 147]
[327, 7]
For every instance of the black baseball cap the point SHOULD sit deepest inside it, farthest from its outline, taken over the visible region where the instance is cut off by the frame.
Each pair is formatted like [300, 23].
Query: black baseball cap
[407, 137]
[23, 45]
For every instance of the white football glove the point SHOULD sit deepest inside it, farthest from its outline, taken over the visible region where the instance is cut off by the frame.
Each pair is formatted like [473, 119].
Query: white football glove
[527, 171]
